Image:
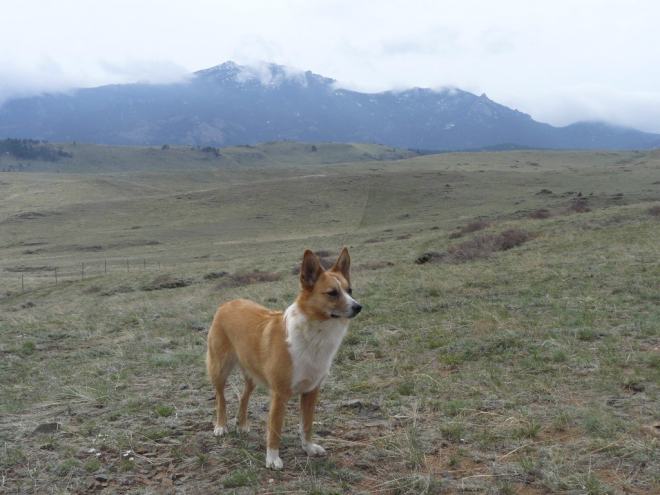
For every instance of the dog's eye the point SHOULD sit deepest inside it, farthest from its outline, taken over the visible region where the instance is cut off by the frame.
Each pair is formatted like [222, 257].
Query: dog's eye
[333, 293]
[350, 291]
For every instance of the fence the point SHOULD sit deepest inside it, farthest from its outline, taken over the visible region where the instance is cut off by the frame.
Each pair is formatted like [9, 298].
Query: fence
[23, 278]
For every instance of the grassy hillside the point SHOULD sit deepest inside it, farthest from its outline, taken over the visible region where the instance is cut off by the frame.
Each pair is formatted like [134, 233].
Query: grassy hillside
[509, 341]
[93, 158]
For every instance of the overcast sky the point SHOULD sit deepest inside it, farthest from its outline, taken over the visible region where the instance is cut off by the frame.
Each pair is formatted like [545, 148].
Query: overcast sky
[560, 61]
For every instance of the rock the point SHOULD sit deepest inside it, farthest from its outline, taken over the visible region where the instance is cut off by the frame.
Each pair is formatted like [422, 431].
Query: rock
[635, 387]
[47, 428]
[379, 423]
[215, 275]
[359, 405]
[167, 282]
[429, 257]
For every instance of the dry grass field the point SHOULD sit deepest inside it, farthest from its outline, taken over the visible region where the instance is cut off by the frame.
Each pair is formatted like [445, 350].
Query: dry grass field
[509, 341]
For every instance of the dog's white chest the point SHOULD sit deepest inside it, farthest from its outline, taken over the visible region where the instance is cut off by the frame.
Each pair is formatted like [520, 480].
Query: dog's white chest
[312, 346]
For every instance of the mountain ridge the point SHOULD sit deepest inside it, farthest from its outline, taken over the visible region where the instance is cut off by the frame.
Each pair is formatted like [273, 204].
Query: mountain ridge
[232, 104]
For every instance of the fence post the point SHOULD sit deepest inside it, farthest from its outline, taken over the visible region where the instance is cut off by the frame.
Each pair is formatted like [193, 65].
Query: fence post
[22, 284]
[144, 264]
[105, 266]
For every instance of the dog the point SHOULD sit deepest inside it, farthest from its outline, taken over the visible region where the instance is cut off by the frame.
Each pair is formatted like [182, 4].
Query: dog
[289, 352]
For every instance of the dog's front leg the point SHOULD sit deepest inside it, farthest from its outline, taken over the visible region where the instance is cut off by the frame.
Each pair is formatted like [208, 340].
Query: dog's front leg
[307, 404]
[275, 421]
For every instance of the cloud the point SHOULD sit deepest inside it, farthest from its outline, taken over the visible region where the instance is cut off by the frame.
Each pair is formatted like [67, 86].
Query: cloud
[47, 75]
[560, 62]
[20, 79]
[270, 74]
[564, 106]
[145, 71]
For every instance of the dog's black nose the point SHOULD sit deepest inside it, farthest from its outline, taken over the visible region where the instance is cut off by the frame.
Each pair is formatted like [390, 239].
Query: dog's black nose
[356, 309]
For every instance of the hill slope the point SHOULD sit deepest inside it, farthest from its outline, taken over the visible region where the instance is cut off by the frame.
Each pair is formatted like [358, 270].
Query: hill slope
[231, 104]
[531, 370]
[37, 156]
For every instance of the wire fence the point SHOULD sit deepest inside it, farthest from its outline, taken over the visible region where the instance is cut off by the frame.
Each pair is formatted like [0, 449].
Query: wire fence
[23, 278]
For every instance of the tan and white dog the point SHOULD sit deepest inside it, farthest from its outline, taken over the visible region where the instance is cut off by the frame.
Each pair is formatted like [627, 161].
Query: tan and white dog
[290, 352]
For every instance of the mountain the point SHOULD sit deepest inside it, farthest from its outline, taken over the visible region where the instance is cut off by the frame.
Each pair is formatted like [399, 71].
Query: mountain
[231, 104]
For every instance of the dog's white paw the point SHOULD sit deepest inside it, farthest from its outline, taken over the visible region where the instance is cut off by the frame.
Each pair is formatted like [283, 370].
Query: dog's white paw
[219, 431]
[243, 428]
[273, 460]
[313, 449]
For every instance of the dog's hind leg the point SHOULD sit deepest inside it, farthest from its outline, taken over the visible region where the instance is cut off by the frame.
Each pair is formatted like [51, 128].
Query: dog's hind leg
[220, 361]
[243, 423]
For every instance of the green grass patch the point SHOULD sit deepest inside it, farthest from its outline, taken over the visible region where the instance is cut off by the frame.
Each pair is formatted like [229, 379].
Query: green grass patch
[164, 411]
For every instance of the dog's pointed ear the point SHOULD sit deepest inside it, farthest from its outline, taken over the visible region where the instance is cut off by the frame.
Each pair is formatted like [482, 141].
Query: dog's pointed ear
[310, 270]
[343, 264]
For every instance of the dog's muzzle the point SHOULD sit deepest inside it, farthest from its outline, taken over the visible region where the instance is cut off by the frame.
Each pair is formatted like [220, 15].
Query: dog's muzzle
[355, 310]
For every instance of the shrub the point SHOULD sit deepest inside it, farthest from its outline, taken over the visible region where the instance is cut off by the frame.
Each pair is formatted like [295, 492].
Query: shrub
[479, 247]
[374, 265]
[469, 228]
[544, 192]
[540, 214]
[215, 275]
[248, 278]
[511, 238]
[579, 205]
[429, 256]
[166, 282]
[30, 149]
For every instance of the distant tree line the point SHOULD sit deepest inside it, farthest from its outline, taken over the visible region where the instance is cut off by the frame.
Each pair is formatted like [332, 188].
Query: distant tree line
[210, 149]
[32, 149]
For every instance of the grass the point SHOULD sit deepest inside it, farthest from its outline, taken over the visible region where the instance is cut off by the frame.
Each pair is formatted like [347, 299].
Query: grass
[164, 411]
[88, 158]
[533, 369]
[240, 477]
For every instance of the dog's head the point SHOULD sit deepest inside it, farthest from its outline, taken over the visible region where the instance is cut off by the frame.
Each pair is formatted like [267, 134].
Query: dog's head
[326, 294]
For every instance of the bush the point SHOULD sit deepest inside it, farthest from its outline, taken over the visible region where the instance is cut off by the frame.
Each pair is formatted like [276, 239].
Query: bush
[210, 149]
[654, 211]
[579, 205]
[31, 149]
[469, 228]
[248, 278]
[480, 247]
[167, 282]
[483, 246]
[540, 214]
[215, 275]
[429, 256]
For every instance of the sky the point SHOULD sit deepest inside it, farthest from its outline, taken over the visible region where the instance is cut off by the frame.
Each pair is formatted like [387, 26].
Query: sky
[560, 61]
